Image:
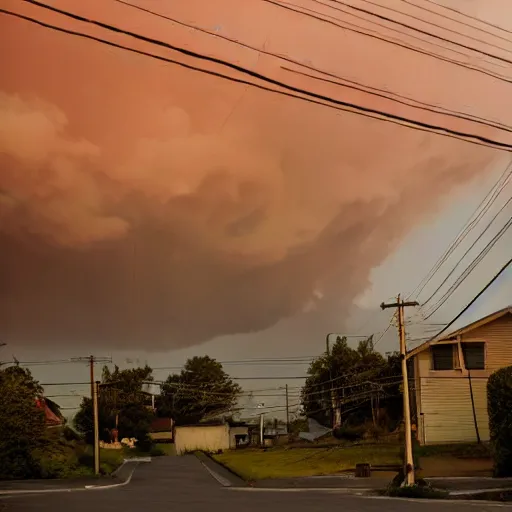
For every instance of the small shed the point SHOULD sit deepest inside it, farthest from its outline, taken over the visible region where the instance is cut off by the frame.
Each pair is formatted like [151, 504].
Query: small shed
[238, 435]
[204, 437]
[161, 430]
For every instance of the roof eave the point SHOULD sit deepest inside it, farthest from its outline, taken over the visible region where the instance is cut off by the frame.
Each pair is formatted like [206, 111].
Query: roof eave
[463, 330]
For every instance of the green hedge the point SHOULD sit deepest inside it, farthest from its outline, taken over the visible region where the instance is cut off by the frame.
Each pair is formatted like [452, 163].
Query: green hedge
[499, 404]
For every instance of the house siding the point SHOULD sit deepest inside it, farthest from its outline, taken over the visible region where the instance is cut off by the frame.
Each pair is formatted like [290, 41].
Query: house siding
[209, 438]
[445, 409]
[498, 336]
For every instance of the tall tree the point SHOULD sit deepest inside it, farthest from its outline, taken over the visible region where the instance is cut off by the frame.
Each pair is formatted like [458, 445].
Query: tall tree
[22, 423]
[358, 380]
[122, 402]
[200, 391]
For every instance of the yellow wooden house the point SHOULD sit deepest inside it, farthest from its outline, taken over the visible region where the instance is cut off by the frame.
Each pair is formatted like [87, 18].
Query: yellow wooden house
[448, 379]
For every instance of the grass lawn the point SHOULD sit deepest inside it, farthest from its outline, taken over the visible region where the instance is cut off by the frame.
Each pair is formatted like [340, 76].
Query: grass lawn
[165, 448]
[256, 464]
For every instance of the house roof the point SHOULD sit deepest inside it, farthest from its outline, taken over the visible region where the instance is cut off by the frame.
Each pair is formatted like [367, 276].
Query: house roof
[51, 418]
[463, 330]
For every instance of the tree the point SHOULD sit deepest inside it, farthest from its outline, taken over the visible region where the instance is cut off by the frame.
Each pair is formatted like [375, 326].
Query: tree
[360, 380]
[200, 391]
[122, 402]
[499, 405]
[22, 423]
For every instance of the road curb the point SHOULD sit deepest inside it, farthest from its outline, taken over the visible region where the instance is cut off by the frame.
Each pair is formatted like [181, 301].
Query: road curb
[222, 481]
[233, 480]
[126, 481]
[371, 494]
[335, 490]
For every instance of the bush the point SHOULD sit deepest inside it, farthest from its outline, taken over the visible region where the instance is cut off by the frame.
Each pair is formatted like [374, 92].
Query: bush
[60, 460]
[156, 451]
[71, 435]
[349, 433]
[416, 491]
[499, 400]
[17, 463]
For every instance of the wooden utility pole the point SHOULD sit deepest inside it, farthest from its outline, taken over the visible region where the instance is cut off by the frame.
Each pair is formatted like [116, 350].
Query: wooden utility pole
[335, 410]
[91, 360]
[91, 372]
[262, 430]
[94, 397]
[409, 461]
[287, 411]
[95, 387]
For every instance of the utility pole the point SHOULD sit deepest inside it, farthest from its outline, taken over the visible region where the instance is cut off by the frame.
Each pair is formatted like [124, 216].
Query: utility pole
[262, 430]
[91, 360]
[335, 413]
[95, 387]
[287, 411]
[409, 461]
[91, 372]
[94, 397]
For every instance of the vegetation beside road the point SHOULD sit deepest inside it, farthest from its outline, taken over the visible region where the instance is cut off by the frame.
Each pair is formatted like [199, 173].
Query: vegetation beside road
[294, 462]
[257, 464]
[30, 450]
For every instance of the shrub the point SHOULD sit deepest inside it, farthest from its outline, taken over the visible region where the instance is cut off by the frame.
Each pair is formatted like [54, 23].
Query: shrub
[18, 463]
[156, 451]
[416, 491]
[70, 435]
[499, 400]
[349, 433]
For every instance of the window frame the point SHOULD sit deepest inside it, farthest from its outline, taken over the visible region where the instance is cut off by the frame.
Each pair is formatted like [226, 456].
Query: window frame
[468, 342]
[456, 363]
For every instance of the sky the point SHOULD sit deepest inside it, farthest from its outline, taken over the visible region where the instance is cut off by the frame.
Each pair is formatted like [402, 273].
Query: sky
[151, 212]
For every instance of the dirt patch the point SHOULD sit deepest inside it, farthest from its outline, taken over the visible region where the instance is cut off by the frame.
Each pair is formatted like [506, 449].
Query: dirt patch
[446, 466]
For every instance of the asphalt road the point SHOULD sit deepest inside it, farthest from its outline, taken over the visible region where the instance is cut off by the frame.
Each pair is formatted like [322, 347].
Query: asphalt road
[182, 484]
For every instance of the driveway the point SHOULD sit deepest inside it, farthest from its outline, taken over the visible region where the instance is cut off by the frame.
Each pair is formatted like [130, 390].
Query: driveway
[171, 484]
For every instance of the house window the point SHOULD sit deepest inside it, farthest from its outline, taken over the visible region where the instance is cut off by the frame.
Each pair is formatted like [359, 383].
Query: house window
[443, 357]
[474, 355]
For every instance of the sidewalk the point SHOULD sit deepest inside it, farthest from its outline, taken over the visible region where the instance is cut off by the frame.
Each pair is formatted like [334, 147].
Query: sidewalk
[470, 484]
[347, 481]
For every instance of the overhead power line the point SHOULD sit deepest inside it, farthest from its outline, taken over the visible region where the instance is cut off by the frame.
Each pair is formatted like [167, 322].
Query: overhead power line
[427, 33]
[470, 224]
[497, 237]
[311, 96]
[430, 34]
[488, 23]
[359, 30]
[475, 298]
[354, 85]
[410, 101]
[469, 269]
[385, 26]
[408, 2]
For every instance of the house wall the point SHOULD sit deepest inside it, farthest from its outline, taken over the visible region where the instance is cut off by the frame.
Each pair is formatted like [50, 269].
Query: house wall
[444, 405]
[209, 438]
